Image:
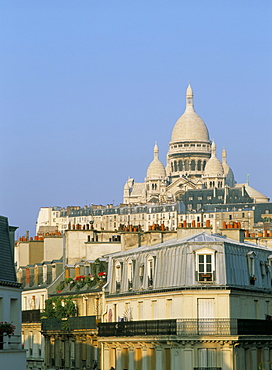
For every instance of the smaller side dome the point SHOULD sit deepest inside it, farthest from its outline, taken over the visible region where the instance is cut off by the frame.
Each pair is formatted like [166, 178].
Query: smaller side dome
[227, 170]
[213, 167]
[156, 169]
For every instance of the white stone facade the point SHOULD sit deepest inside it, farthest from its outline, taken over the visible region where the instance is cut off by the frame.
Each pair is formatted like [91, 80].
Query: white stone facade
[190, 153]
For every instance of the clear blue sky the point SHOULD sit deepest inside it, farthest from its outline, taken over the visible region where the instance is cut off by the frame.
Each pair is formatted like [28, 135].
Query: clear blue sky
[87, 87]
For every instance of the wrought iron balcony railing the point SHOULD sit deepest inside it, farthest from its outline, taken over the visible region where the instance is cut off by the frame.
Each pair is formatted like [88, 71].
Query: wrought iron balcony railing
[208, 368]
[186, 327]
[72, 323]
[29, 316]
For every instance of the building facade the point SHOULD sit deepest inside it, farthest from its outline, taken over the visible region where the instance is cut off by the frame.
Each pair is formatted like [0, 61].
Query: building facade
[200, 302]
[12, 356]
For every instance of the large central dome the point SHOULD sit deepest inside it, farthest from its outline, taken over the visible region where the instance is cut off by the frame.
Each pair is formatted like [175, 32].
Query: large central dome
[190, 127]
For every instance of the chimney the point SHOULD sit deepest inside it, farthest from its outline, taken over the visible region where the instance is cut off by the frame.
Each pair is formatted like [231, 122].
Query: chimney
[235, 234]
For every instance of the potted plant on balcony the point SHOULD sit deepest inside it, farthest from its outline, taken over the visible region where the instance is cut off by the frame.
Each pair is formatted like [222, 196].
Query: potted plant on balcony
[90, 280]
[7, 328]
[102, 276]
[80, 282]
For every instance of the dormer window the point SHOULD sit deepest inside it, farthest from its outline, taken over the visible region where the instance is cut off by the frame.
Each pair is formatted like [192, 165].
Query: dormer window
[150, 270]
[130, 273]
[205, 265]
[118, 274]
[44, 273]
[141, 273]
[251, 267]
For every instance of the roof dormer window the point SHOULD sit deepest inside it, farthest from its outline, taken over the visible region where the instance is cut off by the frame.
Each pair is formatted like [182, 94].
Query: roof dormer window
[130, 273]
[118, 275]
[205, 265]
[251, 266]
[150, 270]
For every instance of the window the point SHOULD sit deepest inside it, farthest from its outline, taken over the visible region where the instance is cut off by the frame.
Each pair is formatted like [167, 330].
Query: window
[207, 358]
[251, 267]
[141, 273]
[150, 270]
[205, 265]
[118, 274]
[130, 273]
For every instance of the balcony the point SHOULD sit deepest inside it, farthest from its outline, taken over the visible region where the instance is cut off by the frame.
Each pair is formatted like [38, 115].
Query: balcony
[208, 368]
[131, 328]
[72, 323]
[10, 342]
[186, 327]
[30, 316]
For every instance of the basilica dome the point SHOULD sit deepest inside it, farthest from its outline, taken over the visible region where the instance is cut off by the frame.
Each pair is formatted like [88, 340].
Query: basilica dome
[190, 127]
[213, 166]
[156, 169]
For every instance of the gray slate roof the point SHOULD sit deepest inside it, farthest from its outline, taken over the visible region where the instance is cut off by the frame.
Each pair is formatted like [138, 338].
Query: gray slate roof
[7, 270]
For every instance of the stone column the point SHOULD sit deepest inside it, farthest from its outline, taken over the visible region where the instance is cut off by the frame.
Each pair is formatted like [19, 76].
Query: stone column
[89, 354]
[254, 361]
[175, 358]
[47, 352]
[106, 357]
[67, 353]
[159, 359]
[118, 365]
[239, 358]
[145, 362]
[266, 358]
[78, 352]
[131, 362]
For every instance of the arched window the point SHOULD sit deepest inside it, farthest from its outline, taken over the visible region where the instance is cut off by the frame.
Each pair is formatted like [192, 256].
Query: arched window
[186, 165]
[175, 166]
[172, 167]
[204, 165]
[193, 165]
[199, 165]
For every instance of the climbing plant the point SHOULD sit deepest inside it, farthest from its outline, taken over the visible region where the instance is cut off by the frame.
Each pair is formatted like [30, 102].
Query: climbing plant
[59, 307]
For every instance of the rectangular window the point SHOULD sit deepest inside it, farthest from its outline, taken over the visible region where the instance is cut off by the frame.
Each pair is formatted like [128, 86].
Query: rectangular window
[207, 358]
[205, 267]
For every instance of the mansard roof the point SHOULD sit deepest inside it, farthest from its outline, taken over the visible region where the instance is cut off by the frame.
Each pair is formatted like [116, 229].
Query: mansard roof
[197, 238]
[7, 270]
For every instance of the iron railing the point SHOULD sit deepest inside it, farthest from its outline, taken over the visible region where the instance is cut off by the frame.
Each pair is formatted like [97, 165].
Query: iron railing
[131, 328]
[186, 327]
[72, 323]
[29, 316]
[206, 327]
[208, 368]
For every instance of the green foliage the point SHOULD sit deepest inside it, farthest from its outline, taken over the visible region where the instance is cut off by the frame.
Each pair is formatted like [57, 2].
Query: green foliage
[49, 311]
[59, 307]
[60, 286]
[68, 280]
[97, 266]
